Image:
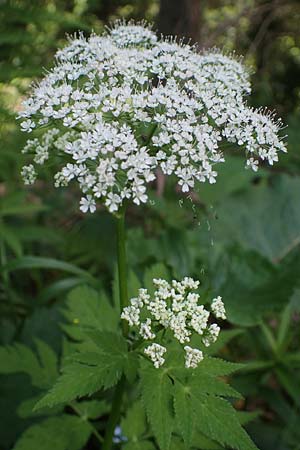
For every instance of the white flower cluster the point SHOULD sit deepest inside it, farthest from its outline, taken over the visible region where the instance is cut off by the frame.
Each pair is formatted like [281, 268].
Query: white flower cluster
[155, 353]
[175, 307]
[117, 107]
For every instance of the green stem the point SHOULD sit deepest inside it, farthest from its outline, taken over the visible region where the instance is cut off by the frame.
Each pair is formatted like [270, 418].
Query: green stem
[122, 266]
[123, 299]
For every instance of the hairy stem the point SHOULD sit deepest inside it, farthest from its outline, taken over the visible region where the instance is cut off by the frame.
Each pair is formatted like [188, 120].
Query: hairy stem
[123, 299]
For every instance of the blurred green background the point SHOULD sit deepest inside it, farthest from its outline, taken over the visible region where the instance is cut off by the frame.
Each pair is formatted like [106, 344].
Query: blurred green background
[241, 236]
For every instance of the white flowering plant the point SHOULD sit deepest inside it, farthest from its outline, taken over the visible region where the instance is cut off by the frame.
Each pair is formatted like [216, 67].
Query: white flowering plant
[117, 107]
[114, 111]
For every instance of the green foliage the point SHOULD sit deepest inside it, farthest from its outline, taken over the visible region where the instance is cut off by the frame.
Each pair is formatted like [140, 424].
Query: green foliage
[265, 219]
[18, 358]
[90, 372]
[87, 309]
[240, 237]
[156, 389]
[134, 426]
[217, 419]
[63, 432]
[192, 402]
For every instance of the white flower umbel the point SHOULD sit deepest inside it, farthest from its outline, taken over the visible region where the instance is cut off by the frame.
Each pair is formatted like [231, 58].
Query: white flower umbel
[28, 173]
[192, 357]
[218, 308]
[211, 335]
[117, 107]
[155, 353]
[175, 307]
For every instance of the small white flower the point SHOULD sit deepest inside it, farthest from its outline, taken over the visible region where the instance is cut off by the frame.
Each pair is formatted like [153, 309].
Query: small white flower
[155, 353]
[192, 357]
[112, 202]
[211, 335]
[27, 125]
[175, 307]
[253, 164]
[145, 330]
[28, 173]
[87, 204]
[218, 308]
[103, 90]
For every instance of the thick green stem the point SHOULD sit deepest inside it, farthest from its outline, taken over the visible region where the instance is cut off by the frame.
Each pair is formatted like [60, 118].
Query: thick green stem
[123, 298]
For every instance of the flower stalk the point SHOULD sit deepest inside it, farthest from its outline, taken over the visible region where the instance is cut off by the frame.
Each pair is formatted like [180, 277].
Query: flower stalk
[123, 302]
[122, 265]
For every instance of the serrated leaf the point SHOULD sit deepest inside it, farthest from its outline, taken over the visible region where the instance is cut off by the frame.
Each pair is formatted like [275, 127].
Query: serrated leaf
[212, 385]
[60, 433]
[217, 367]
[203, 442]
[217, 420]
[184, 412]
[18, 358]
[156, 389]
[91, 371]
[88, 309]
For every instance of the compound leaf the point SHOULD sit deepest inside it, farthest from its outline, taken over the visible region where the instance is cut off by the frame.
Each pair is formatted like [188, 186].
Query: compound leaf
[90, 371]
[156, 389]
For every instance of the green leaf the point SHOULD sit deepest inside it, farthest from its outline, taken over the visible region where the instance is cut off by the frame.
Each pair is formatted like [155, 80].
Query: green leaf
[133, 424]
[251, 286]
[91, 409]
[184, 413]
[212, 385]
[217, 367]
[37, 262]
[232, 177]
[58, 288]
[140, 445]
[202, 442]
[248, 219]
[156, 389]
[247, 416]
[88, 309]
[290, 384]
[60, 433]
[89, 372]
[11, 239]
[217, 420]
[18, 358]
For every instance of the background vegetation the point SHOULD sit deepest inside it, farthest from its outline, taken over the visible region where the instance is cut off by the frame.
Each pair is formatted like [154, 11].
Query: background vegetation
[241, 237]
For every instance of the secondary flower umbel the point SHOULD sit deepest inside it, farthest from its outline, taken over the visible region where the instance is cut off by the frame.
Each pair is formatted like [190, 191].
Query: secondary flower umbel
[175, 307]
[117, 107]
